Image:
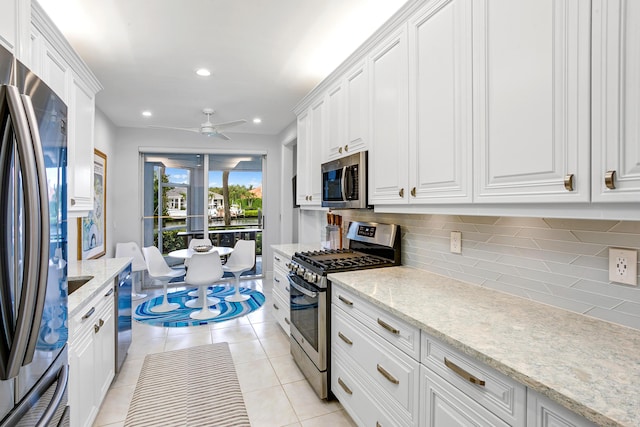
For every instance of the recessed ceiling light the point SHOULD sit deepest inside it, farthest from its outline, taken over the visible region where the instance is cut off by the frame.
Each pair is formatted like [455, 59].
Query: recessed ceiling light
[203, 72]
[257, 120]
[147, 113]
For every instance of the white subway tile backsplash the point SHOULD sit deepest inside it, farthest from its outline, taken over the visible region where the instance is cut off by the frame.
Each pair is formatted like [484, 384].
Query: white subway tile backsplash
[561, 262]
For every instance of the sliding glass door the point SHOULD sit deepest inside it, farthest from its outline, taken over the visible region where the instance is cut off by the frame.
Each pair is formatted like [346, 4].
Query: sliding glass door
[218, 196]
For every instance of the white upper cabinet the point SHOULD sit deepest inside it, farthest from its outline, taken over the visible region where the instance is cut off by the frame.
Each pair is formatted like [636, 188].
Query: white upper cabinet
[55, 71]
[356, 109]
[440, 90]
[388, 120]
[80, 145]
[311, 148]
[14, 26]
[335, 123]
[531, 100]
[616, 101]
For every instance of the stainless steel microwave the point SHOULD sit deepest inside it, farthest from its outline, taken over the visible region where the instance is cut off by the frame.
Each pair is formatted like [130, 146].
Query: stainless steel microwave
[344, 182]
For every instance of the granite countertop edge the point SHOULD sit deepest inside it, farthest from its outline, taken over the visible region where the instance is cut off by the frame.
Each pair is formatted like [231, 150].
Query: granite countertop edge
[480, 323]
[103, 270]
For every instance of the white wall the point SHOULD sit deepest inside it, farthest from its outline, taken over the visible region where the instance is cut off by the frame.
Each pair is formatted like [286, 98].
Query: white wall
[105, 141]
[126, 191]
[288, 219]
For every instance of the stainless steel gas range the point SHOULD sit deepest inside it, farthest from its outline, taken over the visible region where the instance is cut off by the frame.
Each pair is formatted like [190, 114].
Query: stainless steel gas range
[371, 245]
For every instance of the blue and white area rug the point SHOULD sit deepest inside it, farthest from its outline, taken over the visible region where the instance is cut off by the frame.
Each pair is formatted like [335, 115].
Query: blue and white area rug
[180, 317]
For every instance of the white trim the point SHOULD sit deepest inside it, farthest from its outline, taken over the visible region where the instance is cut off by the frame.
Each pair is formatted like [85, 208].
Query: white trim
[173, 150]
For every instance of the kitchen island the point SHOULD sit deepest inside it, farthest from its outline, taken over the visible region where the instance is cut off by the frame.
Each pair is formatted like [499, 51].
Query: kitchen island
[588, 366]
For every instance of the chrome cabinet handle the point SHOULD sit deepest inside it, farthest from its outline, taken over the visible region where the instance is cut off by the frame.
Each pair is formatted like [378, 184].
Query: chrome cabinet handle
[344, 300]
[345, 339]
[462, 373]
[568, 182]
[109, 293]
[388, 327]
[344, 386]
[387, 375]
[609, 180]
[89, 313]
[401, 192]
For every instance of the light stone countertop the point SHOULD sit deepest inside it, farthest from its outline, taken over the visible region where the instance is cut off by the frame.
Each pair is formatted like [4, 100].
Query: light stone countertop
[103, 270]
[590, 366]
[291, 248]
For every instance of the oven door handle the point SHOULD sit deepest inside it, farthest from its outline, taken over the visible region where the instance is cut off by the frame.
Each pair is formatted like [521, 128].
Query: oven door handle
[306, 292]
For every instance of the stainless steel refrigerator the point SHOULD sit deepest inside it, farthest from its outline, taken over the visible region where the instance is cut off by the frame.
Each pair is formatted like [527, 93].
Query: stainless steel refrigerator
[33, 250]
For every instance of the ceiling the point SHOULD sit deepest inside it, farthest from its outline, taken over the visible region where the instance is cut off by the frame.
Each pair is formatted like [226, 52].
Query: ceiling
[264, 55]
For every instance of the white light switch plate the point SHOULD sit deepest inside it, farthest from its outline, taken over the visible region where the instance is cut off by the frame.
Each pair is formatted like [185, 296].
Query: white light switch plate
[456, 242]
[623, 266]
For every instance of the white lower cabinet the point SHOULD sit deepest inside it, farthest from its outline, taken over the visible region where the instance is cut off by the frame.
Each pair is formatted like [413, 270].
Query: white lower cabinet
[542, 412]
[91, 357]
[281, 292]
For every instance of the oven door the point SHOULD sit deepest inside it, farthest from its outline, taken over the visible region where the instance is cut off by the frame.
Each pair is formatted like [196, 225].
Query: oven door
[309, 319]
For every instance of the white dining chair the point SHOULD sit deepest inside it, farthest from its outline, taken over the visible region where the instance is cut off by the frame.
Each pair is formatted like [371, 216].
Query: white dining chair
[192, 244]
[204, 270]
[159, 270]
[138, 265]
[241, 259]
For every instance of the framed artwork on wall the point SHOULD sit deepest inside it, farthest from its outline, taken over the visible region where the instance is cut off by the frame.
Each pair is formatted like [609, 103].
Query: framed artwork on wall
[92, 228]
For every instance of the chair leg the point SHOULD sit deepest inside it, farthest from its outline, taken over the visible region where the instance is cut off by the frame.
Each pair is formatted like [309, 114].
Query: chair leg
[134, 294]
[237, 296]
[166, 305]
[206, 312]
[198, 302]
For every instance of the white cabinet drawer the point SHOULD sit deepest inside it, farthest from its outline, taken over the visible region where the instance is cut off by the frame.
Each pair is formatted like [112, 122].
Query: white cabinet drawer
[502, 395]
[281, 311]
[444, 405]
[354, 394]
[280, 283]
[542, 412]
[280, 261]
[394, 373]
[394, 330]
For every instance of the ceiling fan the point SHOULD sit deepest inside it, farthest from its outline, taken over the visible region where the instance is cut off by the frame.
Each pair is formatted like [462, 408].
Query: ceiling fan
[207, 128]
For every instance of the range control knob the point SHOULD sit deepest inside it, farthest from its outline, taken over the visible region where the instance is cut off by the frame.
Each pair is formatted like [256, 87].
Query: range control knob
[307, 276]
[300, 271]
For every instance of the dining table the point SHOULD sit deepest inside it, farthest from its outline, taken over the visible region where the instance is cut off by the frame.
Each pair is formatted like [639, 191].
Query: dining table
[187, 253]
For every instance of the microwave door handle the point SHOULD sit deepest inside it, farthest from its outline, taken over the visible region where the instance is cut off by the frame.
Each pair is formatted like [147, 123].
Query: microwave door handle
[42, 239]
[30, 275]
[343, 184]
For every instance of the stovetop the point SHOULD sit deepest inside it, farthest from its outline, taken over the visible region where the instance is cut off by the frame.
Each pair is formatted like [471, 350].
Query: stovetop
[334, 260]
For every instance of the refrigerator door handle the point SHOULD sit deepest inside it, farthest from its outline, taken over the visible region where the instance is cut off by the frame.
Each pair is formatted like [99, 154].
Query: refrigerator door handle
[58, 397]
[6, 306]
[43, 242]
[22, 335]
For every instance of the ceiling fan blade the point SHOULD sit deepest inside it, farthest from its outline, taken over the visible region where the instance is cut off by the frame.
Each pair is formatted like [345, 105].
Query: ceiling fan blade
[221, 136]
[197, 130]
[226, 125]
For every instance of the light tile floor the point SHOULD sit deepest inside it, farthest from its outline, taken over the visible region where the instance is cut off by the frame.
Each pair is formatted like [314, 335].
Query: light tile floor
[274, 390]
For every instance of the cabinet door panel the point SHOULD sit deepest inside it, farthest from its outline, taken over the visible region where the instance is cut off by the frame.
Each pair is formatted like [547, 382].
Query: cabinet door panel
[616, 100]
[8, 25]
[317, 151]
[302, 184]
[357, 109]
[335, 121]
[531, 100]
[388, 89]
[440, 103]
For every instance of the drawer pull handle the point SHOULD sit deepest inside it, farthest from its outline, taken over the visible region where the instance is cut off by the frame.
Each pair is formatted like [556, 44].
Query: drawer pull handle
[413, 192]
[344, 300]
[276, 279]
[287, 289]
[401, 193]
[89, 313]
[378, 424]
[464, 374]
[388, 327]
[287, 321]
[276, 307]
[101, 323]
[344, 386]
[96, 328]
[345, 339]
[277, 259]
[387, 375]
[568, 182]
[609, 180]
[109, 293]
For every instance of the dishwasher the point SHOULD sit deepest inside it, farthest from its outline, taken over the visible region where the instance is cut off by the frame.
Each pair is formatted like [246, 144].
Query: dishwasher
[123, 314]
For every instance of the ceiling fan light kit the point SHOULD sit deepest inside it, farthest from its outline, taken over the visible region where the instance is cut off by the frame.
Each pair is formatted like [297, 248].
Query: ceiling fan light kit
[208, 128]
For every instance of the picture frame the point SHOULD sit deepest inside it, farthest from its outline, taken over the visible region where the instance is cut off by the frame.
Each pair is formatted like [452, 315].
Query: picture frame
[92, 234]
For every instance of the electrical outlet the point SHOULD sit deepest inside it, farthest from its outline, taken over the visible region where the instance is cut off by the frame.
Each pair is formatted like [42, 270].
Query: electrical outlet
[623, 266]
[456, 242]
